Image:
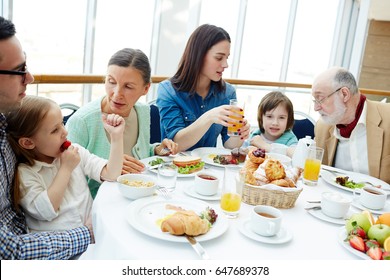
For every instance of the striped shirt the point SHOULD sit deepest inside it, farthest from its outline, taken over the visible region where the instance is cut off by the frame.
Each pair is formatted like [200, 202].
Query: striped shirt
[15, 240]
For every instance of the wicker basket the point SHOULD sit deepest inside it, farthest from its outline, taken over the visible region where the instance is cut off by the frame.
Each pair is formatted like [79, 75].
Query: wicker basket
[256, 195]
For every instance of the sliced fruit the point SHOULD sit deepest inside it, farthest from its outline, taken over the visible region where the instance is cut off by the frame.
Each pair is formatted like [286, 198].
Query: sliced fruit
[386, 244]
[384, 219]
[357, 243]
[386, 256]
[369, 216]
[358, 231]
[372, 243]
[375, 253]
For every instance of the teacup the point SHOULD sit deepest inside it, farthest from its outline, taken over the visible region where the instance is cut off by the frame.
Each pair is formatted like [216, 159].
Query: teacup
[206, 183]
[372, 198]
[335, 205]
[266, 220]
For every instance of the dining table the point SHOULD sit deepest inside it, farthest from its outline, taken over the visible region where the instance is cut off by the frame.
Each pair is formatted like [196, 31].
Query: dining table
[309, 235]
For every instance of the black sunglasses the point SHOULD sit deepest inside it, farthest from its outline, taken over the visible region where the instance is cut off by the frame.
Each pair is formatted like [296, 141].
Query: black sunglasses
[16, 72]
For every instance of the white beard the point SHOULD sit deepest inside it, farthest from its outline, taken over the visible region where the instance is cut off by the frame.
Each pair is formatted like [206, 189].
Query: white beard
[337, 115]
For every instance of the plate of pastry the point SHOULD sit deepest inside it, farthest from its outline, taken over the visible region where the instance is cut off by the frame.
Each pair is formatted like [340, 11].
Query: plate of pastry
[152, 215]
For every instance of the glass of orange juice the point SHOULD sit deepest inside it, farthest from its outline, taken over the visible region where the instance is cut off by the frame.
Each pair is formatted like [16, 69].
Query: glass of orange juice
[231, 192]
[313, 165]
[233, 130]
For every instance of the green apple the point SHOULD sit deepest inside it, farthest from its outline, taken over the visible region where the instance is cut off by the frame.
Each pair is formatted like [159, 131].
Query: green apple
[379, 232]
[361, 220]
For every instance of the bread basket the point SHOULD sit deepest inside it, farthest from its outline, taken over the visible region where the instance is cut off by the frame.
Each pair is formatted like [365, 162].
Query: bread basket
[272, 195]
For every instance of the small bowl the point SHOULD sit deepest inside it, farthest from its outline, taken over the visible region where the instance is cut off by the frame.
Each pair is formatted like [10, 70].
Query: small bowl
[135, 192]
[285, 160]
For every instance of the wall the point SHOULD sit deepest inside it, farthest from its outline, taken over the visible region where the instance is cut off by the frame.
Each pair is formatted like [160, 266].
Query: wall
[375, 70]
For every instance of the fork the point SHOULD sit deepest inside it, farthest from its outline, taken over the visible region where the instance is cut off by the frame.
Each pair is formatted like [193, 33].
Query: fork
[164, 151]
[164, 192]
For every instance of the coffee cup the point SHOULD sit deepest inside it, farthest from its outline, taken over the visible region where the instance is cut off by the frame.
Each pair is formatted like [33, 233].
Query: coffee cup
[266, 220]
[206, 183]
[372, 198]
[335, 205]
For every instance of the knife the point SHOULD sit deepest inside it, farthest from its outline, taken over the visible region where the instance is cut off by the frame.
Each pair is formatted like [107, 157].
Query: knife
[198, 248]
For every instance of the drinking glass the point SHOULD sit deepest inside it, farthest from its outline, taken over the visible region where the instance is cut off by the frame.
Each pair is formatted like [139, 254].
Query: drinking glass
[231, 191]
[233, 130]
[312, 165]
[167, 175]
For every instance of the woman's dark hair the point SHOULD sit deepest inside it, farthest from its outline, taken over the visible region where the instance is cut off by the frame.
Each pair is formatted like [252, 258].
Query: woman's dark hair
[135, 58]
[269, 102]
[191, 63]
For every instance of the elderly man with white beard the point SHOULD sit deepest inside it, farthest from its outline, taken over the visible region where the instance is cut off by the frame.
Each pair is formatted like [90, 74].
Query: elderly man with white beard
[354, 131]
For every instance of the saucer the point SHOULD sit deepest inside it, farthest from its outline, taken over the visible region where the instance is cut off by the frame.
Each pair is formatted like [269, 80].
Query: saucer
[283, 236]
[358, 205]
[320, 215]
[191, 192]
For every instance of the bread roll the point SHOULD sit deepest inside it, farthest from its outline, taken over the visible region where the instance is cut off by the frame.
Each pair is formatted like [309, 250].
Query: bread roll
[185, 222]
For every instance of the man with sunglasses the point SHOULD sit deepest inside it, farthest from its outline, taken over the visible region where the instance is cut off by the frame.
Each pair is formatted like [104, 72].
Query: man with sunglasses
[15, 240]
[354, 131]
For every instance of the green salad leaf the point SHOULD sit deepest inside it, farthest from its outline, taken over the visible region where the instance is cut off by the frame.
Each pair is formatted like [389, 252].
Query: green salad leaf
[156, 161]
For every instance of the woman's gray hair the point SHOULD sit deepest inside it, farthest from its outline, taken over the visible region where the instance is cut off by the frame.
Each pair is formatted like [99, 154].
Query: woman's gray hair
[133, 58]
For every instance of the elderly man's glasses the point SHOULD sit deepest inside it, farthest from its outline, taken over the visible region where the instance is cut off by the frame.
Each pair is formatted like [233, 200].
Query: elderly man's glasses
[22, 72]
[319, 102]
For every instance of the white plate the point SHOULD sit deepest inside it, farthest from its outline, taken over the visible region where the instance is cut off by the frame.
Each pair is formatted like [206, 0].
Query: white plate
[320, 215]
[143, 214]
[191, 192]
[155, 171]
[283, 236]
[207, 155]
[342, 236]
[330, 178]
[356, 203]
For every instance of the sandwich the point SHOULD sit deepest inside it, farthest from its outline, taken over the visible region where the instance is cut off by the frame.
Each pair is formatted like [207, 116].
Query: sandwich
[188, 164]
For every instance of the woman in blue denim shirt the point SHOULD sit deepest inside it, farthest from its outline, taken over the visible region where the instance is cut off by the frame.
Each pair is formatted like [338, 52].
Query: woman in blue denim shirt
[194, 103]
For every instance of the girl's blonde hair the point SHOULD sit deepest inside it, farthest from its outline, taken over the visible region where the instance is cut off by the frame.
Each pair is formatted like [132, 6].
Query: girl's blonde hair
[269, 102]
[25, 122]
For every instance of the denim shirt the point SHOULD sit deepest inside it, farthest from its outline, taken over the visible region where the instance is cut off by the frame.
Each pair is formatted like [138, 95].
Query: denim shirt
[180, 109]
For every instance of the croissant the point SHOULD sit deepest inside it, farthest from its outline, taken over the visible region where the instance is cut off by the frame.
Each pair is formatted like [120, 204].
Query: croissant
[185, 222]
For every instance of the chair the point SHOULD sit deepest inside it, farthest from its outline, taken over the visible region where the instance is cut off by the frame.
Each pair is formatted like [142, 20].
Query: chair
[155, 132]
[68, 109]
[303, 125]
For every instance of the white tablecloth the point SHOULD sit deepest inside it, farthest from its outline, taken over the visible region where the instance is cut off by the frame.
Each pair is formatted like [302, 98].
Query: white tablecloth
[312, 238]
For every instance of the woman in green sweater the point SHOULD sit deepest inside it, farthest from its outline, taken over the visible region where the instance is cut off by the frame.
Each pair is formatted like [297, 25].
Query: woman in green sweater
[127, 79]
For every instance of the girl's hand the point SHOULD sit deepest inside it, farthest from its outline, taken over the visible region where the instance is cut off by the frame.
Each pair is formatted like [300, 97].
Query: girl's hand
[113, 124]
[70, 158]
[259, 142]
[172, 147]
[131, 165]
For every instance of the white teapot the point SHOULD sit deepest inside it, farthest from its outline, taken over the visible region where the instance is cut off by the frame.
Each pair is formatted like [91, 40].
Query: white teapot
[300, 153]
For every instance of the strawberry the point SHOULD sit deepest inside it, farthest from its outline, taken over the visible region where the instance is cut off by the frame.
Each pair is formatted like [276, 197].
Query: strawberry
[372, 244]
[357, 243]
[358, 231]
[386, 256]
[375, 253]
[65, 145]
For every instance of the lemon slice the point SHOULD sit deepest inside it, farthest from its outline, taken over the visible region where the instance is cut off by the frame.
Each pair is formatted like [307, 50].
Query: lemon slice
[369, 216]
[386, 244]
